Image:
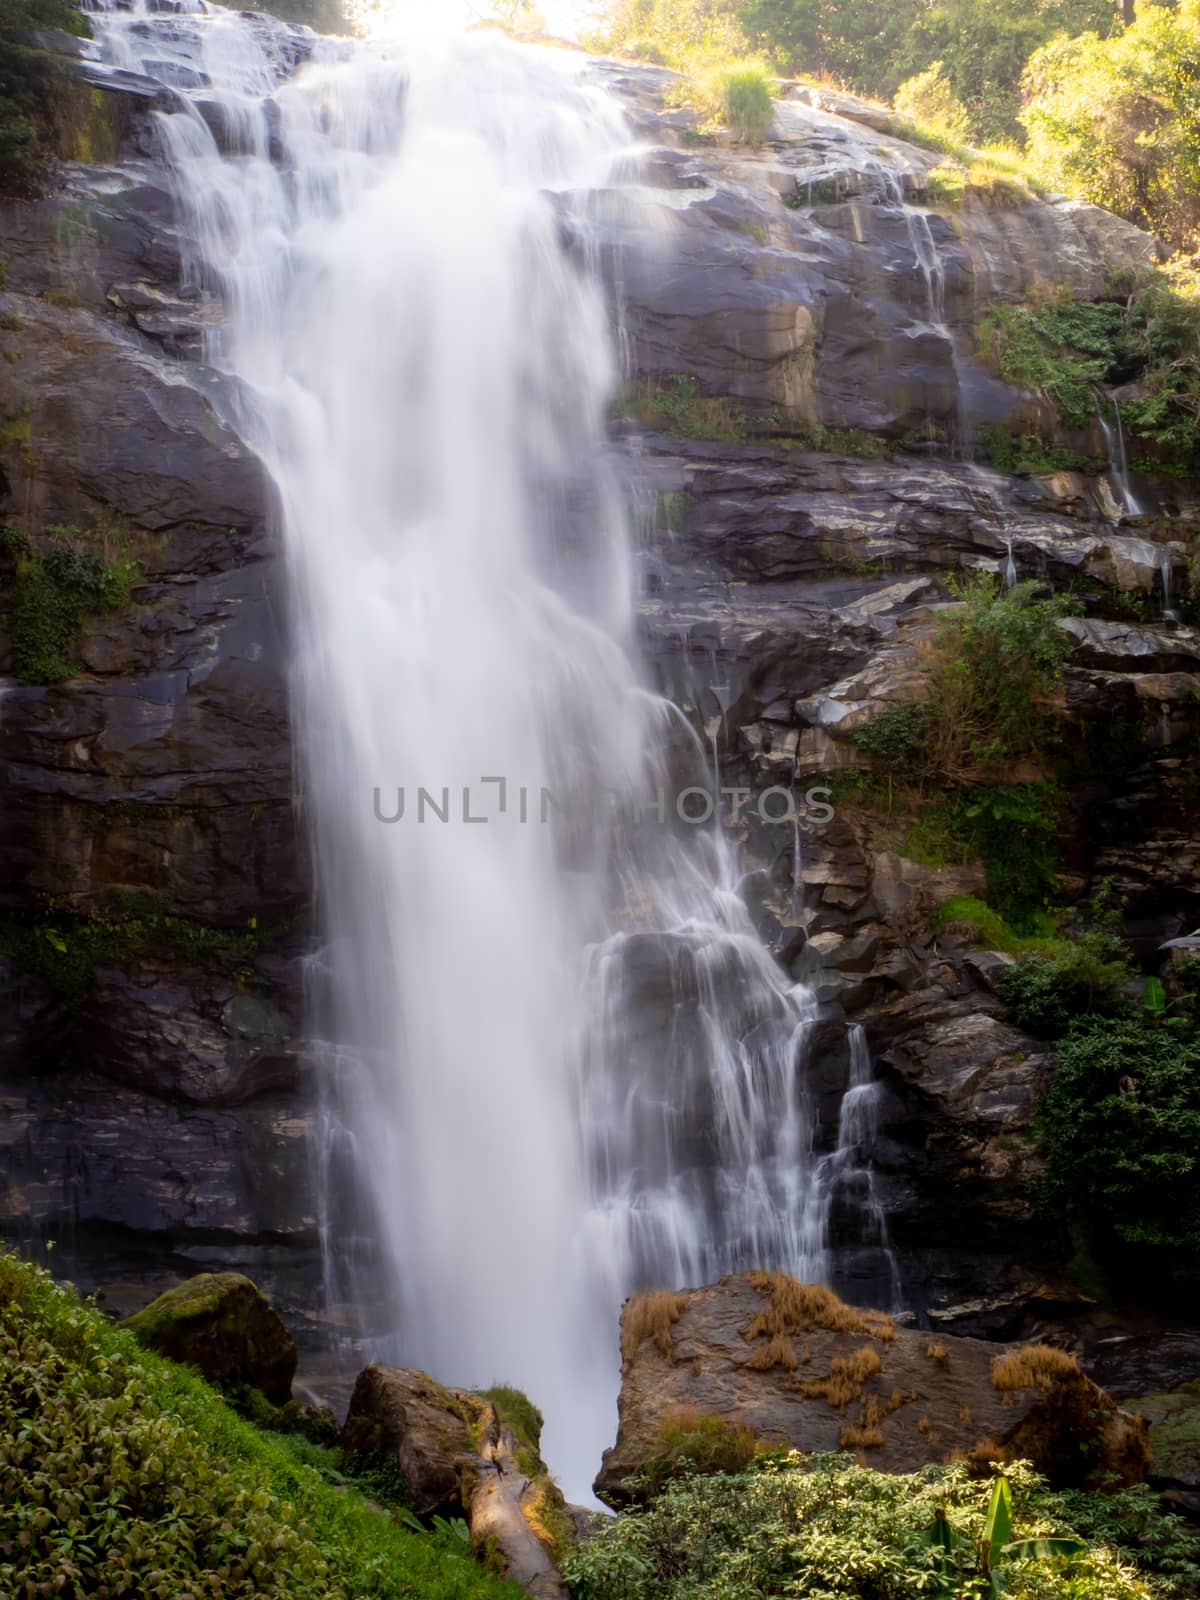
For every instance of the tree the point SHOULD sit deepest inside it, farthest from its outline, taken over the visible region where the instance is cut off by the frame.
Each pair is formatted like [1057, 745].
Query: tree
[1118, 119]
[928, 98]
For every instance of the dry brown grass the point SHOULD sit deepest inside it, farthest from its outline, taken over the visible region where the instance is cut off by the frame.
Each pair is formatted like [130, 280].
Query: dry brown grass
[964, 1413]
[939, 1355]
[856, 1436]
[1034, 1365]
[845, 1379]
[651, 1315]
[800, 1307]
[986, 1454]
[776, 1352]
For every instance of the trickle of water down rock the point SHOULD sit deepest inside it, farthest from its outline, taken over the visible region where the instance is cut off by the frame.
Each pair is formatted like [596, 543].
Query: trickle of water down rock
[563, 1064]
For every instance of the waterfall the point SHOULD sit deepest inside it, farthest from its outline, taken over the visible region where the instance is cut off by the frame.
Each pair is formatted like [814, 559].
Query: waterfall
[562, 1063]
[1118, 461]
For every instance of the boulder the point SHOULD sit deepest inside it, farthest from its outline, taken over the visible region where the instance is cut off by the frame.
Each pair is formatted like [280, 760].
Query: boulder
[465, 1454]
[801, 1368]
[421, 1425]
[219, 1323]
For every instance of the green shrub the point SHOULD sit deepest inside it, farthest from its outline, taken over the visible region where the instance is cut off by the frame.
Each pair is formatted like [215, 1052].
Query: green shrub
[1119, 1128]
[821, 1527]
[1046, 993]
[123, 1475]
[1013, 829]
[66, 951]
[1149, 331]
[675, 405]
[56, 590]
[898, 734]
[1011, 452]
[929, 99]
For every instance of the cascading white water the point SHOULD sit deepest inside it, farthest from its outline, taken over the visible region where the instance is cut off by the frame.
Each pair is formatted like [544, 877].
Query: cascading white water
[1118, 459]
[566, 1064]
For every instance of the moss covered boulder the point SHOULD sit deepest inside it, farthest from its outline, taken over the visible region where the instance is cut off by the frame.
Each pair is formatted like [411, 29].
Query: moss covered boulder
[222, 1325]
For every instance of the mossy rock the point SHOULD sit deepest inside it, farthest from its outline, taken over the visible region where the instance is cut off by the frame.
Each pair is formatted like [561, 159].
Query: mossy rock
[1174, 1420]
[222, 1325]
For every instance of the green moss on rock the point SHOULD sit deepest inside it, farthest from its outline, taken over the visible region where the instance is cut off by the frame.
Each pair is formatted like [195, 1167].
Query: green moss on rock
[222, 1325]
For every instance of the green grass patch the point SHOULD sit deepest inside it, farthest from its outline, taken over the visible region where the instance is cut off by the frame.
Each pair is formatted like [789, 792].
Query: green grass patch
[738, 95]
[121, 1474]
[969, 918]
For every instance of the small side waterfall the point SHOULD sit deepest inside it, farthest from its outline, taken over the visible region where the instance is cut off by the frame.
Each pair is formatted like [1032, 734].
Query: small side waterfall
[1118, 461]
[563, 1062]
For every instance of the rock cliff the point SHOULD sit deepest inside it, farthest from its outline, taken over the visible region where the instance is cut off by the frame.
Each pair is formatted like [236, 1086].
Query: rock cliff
[804, 399]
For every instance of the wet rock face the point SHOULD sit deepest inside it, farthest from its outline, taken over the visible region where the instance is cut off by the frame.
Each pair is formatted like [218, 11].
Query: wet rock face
[794, 279]
[787, 594]
[164, 1104]
[803, 1370]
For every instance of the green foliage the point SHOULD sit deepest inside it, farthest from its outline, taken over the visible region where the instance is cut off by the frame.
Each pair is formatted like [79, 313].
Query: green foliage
[993, 1549]
[821, 1527]
[121, 1474]
[928, 98]
[991, 670]
[1064, 349]
[33, 91]
[518, 1410]
[1024, 452]
[56, 590]
[66, 951]
[738, 95]
[322, 16]
[687, 34]
[1044, 993]
[1068, 348]
[1013, 829]
[675, 405]
[1116, 118]
[898, 735]
[1119, 1128]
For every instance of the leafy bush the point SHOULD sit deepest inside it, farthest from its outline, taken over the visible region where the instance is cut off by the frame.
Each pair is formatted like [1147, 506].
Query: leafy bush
[1013, 829]
[123, 1475]
[928, 98]
[1115, 118]
[687, 34]
[55, 592]
[823, 1527]
[1046, 993]
[1067, 348]
[1119, 1127]
[991, 669]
